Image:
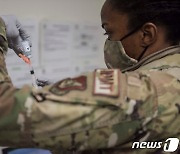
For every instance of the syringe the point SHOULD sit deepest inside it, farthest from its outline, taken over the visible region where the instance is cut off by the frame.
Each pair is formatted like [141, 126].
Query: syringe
[28, 61]
[34, 83]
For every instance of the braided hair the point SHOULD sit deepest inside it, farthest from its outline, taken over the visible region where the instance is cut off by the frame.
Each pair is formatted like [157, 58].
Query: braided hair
[160, 12]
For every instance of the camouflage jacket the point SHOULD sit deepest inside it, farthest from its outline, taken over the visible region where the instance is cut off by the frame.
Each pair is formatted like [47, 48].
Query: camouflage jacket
[104, 110]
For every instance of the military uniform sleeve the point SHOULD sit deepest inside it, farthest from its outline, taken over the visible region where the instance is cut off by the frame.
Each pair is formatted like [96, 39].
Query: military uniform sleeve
[13, 115]
[3, 50]
[99, 110]
[105, 109]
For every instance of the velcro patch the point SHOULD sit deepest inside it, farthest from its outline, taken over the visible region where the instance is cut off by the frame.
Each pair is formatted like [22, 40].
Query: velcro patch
[64, 86]
[106, 82]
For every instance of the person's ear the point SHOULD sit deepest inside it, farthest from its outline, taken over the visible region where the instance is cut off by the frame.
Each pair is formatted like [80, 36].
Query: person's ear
[149, 34]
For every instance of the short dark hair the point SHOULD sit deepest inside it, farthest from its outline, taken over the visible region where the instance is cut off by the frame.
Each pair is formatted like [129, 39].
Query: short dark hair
[160, 12]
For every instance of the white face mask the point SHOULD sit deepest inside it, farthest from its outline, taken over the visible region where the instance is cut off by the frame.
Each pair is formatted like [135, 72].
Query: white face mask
[116, 57]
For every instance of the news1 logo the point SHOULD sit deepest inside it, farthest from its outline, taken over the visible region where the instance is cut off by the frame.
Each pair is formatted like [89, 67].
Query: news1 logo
[170, 145]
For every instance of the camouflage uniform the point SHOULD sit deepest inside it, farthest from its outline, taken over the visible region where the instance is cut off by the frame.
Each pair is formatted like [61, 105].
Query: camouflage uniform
[104, 110]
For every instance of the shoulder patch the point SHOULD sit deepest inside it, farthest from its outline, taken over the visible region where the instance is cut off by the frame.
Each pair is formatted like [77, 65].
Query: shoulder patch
[106, 82]
[69, 84]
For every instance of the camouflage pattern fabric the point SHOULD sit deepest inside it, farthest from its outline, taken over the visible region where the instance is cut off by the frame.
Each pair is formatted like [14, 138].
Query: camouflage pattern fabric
[3, 49]
[104, 111]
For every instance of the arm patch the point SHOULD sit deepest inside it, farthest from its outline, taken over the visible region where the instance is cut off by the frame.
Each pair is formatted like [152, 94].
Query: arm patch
[64, 86]
[106, 82]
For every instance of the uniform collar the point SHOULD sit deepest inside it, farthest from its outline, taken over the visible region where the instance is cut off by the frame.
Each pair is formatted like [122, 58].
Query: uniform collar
[155, 56]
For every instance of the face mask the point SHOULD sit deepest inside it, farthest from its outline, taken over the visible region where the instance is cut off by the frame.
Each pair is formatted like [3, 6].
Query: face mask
[115, 55]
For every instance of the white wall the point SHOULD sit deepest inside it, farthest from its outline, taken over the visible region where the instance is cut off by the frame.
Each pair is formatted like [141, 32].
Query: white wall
[73, 10]
[81, 11]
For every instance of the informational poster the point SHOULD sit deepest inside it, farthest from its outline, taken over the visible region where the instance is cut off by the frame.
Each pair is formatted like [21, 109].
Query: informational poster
[56, 40]
[69, 48]
[85, 47]
[19, 75]
[85, 40]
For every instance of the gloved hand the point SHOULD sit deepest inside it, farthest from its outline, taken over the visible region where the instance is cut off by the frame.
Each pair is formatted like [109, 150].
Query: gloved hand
[18, 39]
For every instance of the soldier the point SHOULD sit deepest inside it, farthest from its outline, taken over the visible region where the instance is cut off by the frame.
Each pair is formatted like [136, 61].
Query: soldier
[108, 109]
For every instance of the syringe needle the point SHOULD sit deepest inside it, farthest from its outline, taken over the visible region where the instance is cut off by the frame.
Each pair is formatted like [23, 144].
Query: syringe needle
[28, 61]
[34, 83]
